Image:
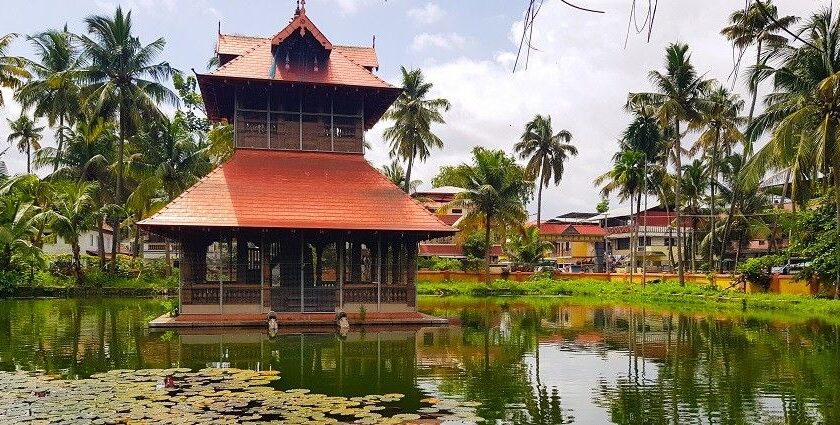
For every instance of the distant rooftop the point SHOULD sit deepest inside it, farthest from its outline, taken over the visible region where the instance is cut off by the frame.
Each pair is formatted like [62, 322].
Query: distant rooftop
[443, 190]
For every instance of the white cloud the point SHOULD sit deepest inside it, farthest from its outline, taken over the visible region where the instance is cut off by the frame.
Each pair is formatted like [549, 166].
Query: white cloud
[446, 41]
[428, 14]
[580, 75]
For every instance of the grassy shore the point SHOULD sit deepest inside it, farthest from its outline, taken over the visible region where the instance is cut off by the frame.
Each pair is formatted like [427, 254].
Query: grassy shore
[668, 295]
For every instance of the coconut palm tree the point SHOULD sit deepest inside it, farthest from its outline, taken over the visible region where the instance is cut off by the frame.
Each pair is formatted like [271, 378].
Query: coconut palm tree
[803, 113]
[546, 152]
[695, 183]
[123, 81]
[53, 93]
[27, 136]
[413, 114]
[495, 192]
[73, 213]
[87, 157]
[676, 100]
[759, 25]
[396, 174]
[12, 68]
[526, 248]
[718, 123]
[627, 178]
[167, 161]
[18, 227]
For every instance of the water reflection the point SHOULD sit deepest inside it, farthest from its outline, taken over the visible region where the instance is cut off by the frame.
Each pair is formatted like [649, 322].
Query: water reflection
[535, 361]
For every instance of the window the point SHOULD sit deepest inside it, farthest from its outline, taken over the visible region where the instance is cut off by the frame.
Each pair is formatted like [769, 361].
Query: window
[761, 243]
[622, 243]
[457, 211]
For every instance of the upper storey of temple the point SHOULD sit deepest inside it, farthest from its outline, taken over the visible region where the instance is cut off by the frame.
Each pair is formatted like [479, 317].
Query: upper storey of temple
[303, 85]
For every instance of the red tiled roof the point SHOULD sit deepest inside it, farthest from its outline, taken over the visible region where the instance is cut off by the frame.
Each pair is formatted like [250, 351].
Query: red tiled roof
[258, 63]
[450, 219]
[451, 250]
[301, 23]
[571, 229]
[364, 56]
[297, 190]
[236, 45]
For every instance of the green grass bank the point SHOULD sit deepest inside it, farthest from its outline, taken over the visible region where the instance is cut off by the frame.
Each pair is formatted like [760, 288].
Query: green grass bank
[667, 295]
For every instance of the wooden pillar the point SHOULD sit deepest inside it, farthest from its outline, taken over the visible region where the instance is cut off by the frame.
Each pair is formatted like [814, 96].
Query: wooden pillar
[411, 272]
[356, 262]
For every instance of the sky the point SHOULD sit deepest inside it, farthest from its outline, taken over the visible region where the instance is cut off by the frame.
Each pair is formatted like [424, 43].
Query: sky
[579, 74]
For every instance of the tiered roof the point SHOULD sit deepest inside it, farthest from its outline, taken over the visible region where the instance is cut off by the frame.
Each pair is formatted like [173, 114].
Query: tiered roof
[296, 190]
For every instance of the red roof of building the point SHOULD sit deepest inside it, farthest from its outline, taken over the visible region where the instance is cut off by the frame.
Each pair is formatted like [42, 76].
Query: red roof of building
[451, 250]
[450, 219]
[567, 229]
[297, 190]
[238, 45]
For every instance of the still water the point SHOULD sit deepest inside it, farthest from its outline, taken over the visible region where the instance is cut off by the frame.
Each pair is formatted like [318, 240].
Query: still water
[529, 361]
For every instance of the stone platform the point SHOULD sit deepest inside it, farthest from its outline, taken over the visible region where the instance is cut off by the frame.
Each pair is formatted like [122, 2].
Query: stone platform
[293, 320]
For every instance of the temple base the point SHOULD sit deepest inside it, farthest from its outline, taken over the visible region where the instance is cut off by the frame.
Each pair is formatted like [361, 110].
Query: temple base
[288, 320]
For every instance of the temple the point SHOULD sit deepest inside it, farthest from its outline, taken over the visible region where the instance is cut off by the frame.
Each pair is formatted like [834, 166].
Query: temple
[296, 221]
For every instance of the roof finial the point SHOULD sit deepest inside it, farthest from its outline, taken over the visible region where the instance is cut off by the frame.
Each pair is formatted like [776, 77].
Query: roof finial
[303, 7]
[297, 7]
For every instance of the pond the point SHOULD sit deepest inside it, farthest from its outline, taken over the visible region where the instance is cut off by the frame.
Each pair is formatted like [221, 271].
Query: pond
[525, 360]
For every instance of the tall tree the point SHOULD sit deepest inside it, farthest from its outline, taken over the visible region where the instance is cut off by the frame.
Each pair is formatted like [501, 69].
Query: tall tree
[695, 182]
[759, 25]
[26, 136]
[803, 113]
[166, 162]
[53, 93]
[12, 68]
[627, 178]
[546, 152]
[718, 123]
[123, 81]
[413, 114]
[495, 192]
[88, 157]
[676, 100]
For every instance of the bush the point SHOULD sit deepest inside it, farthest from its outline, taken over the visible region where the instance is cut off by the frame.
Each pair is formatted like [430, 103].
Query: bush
[757, 270]
[446, 264]
[472, 264]
[9, 280]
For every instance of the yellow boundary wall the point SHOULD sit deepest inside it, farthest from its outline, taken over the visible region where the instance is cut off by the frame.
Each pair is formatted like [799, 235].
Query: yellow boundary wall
[780, 284]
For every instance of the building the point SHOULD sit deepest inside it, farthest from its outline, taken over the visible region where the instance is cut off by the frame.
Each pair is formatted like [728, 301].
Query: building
[88, 243]
[296, 221]
[657, 233]
[577, 246]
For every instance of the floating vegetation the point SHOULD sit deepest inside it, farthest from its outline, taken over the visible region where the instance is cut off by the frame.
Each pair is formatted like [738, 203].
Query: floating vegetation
[213, 396]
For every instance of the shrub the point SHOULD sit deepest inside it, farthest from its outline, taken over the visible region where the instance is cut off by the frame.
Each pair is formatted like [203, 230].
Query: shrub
[472, 264]
[9, 280]
[446, 264]
[757, 270]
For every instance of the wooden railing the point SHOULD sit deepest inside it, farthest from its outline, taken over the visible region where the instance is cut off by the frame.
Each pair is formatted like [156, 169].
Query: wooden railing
[369, 293]
[235, 294]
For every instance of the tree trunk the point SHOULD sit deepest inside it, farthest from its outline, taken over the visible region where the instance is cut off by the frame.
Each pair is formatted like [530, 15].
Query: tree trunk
[754, 92]
[487, 253]
[100, 241]
[168, 256]
[694, 240]
[539, 202]
[713, 205]
[28, 158]
[670, 234]
[115, 220]
[727, 228]
[407, 183]
[632, 264]
[57, 160]
[77, 262]
[677, 201]
[837, 223]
